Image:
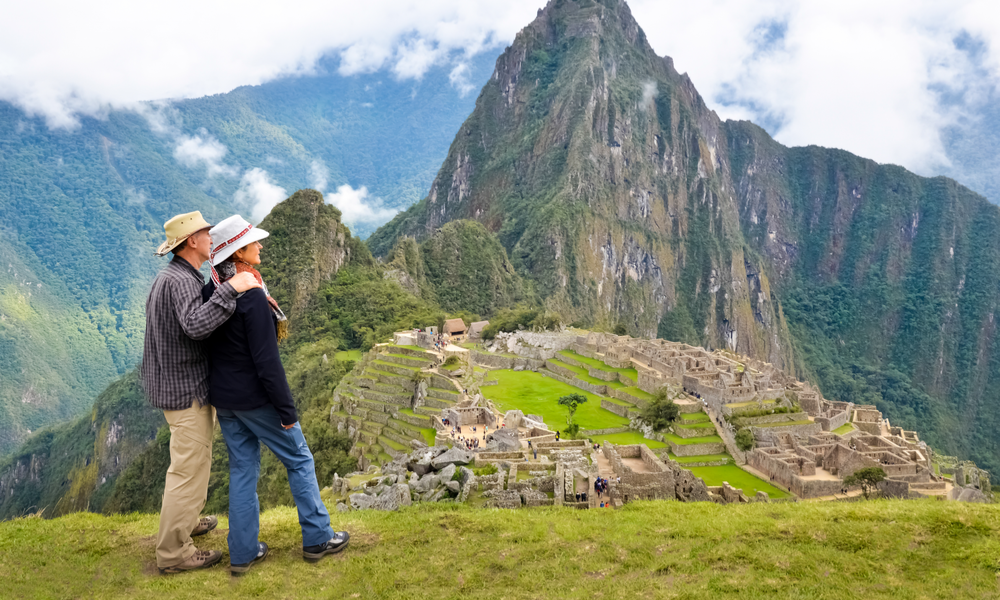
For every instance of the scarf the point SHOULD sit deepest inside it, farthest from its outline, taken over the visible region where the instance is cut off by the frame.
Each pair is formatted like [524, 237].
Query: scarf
[227, 270]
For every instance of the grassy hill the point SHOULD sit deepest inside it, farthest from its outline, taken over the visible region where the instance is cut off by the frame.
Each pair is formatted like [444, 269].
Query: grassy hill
[837, 551]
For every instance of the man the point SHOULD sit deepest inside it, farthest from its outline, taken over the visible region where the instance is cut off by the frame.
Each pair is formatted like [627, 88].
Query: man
[175, 377]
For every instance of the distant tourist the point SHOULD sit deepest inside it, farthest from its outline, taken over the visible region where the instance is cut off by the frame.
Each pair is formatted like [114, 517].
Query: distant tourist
[254, 403]
[175, 378]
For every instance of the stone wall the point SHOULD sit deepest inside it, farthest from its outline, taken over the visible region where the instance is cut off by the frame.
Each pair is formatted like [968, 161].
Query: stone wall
[608, 431]
[768, 433]
[696, 449]
[618, 394]
[831, 423]
[618, 409]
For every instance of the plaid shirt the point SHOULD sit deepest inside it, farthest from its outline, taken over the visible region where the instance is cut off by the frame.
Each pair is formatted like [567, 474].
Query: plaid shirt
[174, 365]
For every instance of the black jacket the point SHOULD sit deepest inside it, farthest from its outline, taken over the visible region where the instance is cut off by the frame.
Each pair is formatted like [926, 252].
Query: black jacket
[245, 371]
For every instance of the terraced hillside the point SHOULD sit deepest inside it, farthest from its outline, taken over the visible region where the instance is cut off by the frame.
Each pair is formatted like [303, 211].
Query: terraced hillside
[392, 398]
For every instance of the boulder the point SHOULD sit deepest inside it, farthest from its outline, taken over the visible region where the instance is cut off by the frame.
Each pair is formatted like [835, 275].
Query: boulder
[341, 507]
[426, 483]
[421, 467]
[453, 486]
[445, 475]
[394, 497]
[361, 501]
[454, 456]
[762, 497]
[465, 475]
[512, 419]
[506, 440]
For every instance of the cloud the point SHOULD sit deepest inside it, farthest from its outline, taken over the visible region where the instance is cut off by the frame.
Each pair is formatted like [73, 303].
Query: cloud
[881, 79]
[203, 150]
[867, 77]
[258, 193]
[60, 59]
[318, 176]
[357, 206]
[649, 93]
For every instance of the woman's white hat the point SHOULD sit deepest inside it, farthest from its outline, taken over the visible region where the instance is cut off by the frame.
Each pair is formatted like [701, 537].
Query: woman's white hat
[230, 235]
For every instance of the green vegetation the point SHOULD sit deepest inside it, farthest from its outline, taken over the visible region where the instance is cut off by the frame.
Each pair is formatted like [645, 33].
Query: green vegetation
[846, 427]
[582, 375]
[349, 355]
[880, 550]
[701, 458]
[661, 411]
[520, 318]
[629, 372]
[536, 394]
[636, 392]
[626, 438]
[738, 478]
[571, 402]
[708, 439]
[867, 479]
[745, 440]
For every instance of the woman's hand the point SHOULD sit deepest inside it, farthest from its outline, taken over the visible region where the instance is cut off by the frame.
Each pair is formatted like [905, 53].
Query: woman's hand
[287, 427]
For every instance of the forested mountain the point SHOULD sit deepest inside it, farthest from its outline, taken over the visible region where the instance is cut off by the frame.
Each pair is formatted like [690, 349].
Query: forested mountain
[624, 200]
[82, 211]
[114, 458]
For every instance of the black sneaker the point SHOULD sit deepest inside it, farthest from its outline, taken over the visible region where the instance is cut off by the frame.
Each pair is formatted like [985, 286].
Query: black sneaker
[238, 570]
[334, 545]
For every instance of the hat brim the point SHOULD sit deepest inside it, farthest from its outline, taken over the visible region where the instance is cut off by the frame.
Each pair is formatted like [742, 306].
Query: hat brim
[254, 235]
[169, 245]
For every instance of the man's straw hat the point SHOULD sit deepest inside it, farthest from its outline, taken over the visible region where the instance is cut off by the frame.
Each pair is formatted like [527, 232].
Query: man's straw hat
[181, 228]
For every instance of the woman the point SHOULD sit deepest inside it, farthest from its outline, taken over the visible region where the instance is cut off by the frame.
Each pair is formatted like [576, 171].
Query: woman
[248, 388]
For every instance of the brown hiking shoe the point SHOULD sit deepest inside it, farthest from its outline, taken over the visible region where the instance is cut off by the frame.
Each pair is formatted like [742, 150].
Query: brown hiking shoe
[201, 559]
[205, 524]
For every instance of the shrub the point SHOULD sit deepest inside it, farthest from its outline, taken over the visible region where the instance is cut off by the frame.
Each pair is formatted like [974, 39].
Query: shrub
[744, 440]
[451, 361]
[571, 402]
[661, 410]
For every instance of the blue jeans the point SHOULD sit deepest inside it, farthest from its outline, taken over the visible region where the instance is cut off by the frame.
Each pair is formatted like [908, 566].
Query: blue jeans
[244, 430]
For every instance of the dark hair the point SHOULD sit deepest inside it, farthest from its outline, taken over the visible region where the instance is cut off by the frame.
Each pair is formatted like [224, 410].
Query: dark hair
[180, 247]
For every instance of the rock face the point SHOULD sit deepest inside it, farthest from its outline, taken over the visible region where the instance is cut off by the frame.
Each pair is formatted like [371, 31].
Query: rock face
[647, 211]
[308, 245]
[454, 456]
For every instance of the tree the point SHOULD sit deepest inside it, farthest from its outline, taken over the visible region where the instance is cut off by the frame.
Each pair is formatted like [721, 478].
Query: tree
[868, 478]
[744, 440]
[571, 402]
[661, 410]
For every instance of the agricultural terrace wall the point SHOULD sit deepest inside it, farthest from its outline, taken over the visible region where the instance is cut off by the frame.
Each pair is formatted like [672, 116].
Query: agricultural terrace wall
[696, 449]
[583, 385]
[560, 370]
[777, 418]
[497, 361]
[804, 430]
[607, 431]
[618, 394]
[618, 409]
[602, 375]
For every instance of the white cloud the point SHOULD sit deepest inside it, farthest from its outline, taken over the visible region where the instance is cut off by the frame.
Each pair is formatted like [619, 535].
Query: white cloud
[203, 150]
[649, 93]
[357, 206]
[863, 76]
[60, 58]
[860, 75]
[258, 193]
[318, 176]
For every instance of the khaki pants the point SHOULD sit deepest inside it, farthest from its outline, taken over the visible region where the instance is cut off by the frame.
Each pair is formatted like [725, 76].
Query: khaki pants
[186, 487]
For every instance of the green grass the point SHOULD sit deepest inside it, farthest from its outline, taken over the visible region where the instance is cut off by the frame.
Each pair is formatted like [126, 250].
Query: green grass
[453, 367]
[429, 434]
[699, 425]
[638, 393]
[709, 439]
[626, 438]
[582, 375]
[701, 458]
[383, 363]
[824, 551]
[535, 394]
[354, 355]
[784, 423]
[846, 427]
[751, 403]
[738, 478]
[409, 347]
[699, 416]
[593, 362]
